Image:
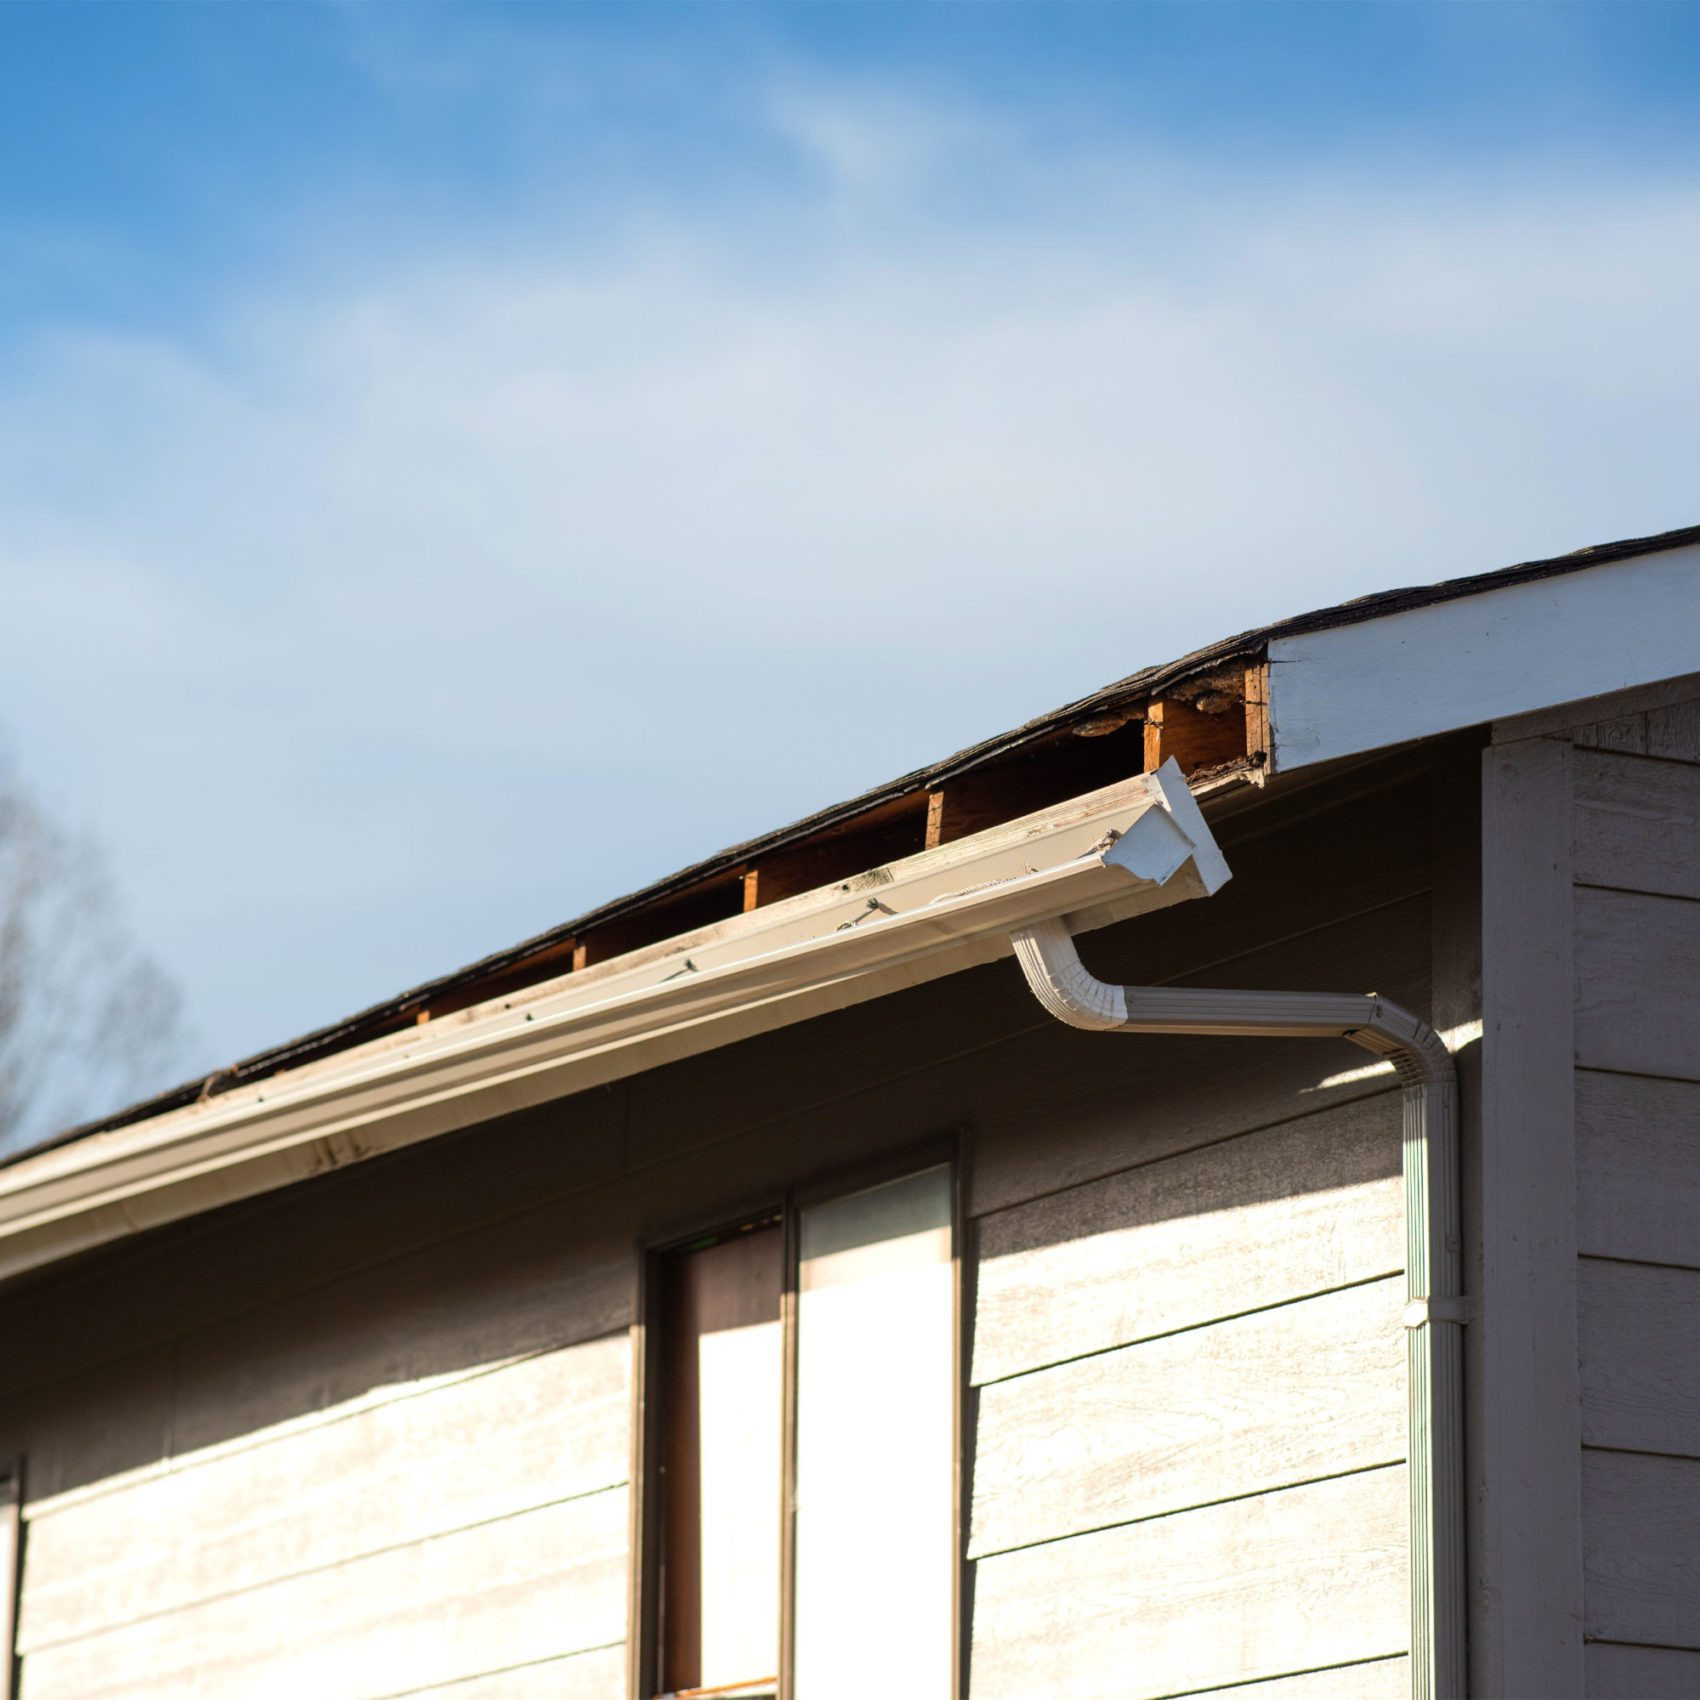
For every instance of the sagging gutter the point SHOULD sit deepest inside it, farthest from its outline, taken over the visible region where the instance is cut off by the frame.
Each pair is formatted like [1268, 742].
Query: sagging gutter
[1137, 845]
[1433, 1277]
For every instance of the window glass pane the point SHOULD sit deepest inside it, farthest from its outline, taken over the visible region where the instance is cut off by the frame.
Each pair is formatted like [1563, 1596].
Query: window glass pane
[725, 1402]
[876, 1443]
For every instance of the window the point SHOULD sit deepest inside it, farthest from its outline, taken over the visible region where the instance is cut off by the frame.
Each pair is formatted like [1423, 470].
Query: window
[804, 1452]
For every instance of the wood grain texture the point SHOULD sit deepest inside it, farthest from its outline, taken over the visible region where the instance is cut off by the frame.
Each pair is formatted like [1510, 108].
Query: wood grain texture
[1637, 824]
[1626, 734]
[539, 1431]
[1526, 1627]
[1641, 1673]
[1640, 1371]
[1642, 1556]
[1638, 995]
[1271, 1216]
[1266, 1401]
[1283, 1583]
[597, 1675]
[1673, 730]
[1567, 719]
[1638, 1152]
[485, 1599]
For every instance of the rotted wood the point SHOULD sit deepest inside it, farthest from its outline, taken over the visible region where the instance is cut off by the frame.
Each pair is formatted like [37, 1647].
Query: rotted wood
[1069, 764]
[1256, 699]
[1194, 738]
[885, 833]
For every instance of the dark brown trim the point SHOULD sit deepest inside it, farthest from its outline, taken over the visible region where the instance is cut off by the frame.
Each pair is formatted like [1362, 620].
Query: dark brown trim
[11, 1574]
[644, 1544]
[788, 1461]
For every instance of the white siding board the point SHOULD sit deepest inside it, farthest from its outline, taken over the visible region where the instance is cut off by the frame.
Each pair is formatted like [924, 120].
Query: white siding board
[1637, 825]
[1643, 1549]
[597, 1675]
[539, 1431]
[1626, 734]
[1638, 1148]
[1640, 1325]
[1271, 1586]
[1276, 1215]
[1673, 731]
[1638, 995]
[1285, 1396]
[1641, 1673]
[520, 1590]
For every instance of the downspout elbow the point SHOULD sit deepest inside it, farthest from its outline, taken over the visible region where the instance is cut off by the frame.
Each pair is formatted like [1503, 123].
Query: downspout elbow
[1060, 981]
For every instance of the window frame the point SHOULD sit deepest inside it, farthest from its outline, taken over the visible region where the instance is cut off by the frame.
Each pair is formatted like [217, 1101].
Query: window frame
[11, 1570]
[649, 1404]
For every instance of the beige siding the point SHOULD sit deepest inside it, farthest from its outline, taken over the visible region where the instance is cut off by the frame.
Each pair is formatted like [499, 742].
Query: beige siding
[1271, 1216]
[1292, 1394]
[329, 1493]
[597, 1675]
[1636, 850]
[522, 1589]
[1280, 1583]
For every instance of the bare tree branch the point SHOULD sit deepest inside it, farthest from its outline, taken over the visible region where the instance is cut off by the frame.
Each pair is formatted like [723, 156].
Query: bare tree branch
[87, 1022]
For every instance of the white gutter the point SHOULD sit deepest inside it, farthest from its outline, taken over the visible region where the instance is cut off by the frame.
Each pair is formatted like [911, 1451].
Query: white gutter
[1138, 845]
[1062, 984]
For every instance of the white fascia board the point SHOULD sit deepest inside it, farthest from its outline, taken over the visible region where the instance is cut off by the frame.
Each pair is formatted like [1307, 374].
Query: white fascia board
[1141, 844]
[1482, 658]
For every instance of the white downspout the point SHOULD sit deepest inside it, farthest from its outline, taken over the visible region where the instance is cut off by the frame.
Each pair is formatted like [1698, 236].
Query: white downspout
[1062, 984]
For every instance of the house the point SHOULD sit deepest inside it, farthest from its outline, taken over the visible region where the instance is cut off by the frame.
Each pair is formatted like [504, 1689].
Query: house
[1197, 1195]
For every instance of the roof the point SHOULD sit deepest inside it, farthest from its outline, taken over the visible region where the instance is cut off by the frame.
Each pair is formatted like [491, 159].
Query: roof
[1202, 708]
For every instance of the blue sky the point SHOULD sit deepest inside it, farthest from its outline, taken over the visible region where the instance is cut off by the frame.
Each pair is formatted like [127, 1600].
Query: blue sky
[458, 463]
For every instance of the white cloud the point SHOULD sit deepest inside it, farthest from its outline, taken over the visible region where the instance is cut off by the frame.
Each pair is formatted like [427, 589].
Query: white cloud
[376, 627]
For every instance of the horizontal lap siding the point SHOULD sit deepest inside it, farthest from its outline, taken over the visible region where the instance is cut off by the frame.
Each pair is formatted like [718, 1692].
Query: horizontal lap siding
[1638, 1163]
[1288, 1395]
[353, 1490]
[525, 1588]
[326, 1495]
[597, 1675]
[1271, 1216]
[1281, 1583]
[1641, 1673]
[1189, 1422]
[1637, 867]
